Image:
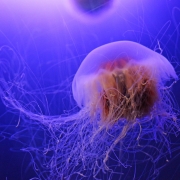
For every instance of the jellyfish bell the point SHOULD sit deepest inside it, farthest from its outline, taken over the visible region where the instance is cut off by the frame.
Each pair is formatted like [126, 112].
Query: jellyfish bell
[121, 80]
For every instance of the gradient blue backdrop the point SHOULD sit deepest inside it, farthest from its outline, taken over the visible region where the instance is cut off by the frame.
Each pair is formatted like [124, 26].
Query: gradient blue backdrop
[53, 40]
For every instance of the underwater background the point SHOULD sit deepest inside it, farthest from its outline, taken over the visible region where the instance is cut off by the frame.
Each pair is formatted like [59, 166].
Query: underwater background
[53, 37]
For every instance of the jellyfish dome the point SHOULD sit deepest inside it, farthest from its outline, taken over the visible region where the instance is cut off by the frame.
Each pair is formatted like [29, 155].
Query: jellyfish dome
[121, 80]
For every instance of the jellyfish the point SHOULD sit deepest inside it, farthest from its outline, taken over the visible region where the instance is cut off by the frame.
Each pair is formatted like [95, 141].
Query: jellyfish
[121, 80]
[126, 116]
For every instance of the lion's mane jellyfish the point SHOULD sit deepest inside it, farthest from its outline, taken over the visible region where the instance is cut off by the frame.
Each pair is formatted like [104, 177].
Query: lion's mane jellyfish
[126, 118]
[126, 89]
[121, 80]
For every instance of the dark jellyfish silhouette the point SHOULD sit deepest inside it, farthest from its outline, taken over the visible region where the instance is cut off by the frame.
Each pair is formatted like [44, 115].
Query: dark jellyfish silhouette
[92, 6]
[91, 11]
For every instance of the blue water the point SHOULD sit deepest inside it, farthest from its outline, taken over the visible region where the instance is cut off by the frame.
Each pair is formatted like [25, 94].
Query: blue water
[50, 39]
